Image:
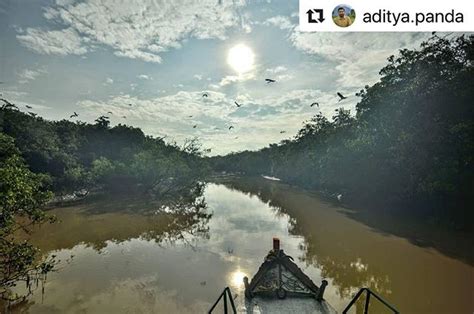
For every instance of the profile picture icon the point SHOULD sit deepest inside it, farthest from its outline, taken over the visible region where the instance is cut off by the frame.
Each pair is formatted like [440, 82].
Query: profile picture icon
[343, 15]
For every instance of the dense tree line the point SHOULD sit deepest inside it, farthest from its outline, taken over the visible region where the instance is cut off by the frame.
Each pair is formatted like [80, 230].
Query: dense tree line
[410, 143]
[84, 156]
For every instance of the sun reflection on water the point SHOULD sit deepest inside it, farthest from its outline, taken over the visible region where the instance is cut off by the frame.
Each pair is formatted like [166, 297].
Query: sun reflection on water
[237, 278]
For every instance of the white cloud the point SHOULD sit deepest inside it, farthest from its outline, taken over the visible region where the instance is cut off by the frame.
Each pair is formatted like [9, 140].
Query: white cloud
[12, 94]
[28, 75]
[63, 42]
[15, 98]
[277, 69]
[230, 79]
[279, 73]
[138, 54]
[144, 77]
[136, 29]
[358, 56]
[198, 77]
[282, 22]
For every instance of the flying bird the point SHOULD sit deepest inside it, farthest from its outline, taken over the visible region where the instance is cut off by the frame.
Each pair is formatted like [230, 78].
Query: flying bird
[32, 114]
[73, 115]
[29, 107]
[269, 81]
[315, 104]
[281, 132]
[231, 127]
[124, 117]
[341, 97]
[195, 126]
[109, 112]
[130, 105]
[205, 95]
[237, 104]
[190, 116]
[236, 137]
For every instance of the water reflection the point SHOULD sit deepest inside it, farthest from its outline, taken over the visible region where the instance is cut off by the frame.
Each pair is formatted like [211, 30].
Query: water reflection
[144, 258]
[237, 278]
[352, 255]
[120, 218]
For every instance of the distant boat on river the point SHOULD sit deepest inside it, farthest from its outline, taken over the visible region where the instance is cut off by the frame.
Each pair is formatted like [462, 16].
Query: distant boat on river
[271, 178]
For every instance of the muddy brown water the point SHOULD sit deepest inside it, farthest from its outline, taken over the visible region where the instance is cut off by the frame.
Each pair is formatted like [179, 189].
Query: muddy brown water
[125, 261]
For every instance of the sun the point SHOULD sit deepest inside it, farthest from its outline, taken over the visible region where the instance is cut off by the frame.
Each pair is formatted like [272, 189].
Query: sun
[241, 58]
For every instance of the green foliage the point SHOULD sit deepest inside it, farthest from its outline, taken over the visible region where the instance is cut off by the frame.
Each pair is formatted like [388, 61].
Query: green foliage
[410, 143]
[87, 156]
[22, 195]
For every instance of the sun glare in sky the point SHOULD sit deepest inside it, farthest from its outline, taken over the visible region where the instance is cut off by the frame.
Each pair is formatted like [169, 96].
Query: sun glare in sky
[241, 58]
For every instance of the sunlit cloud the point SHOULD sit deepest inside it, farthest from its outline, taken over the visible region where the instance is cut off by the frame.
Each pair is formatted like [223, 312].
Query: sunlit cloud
[359, 56]
[133, 29]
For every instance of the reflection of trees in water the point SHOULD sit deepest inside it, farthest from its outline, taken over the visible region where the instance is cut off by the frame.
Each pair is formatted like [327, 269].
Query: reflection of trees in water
[266, 192]
[106, 219]
[23, 306]
[177, 215]
[332, 256]
[347, 272]
[186, 214]
[173, 218]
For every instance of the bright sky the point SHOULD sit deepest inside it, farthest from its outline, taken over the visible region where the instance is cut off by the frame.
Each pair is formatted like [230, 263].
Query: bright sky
[99, 56]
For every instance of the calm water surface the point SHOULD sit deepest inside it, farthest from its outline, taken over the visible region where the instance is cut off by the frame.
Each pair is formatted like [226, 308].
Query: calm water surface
[125, 261]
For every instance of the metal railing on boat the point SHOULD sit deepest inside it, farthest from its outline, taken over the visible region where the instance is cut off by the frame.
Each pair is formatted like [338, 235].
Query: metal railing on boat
[367, 301]
[225, 294]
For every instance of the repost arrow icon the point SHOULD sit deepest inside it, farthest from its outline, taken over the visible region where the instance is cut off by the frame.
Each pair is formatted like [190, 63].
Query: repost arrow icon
[310, 13]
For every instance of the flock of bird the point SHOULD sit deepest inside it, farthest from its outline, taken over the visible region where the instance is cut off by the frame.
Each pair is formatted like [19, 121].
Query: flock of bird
[204, 95]
[268, 81]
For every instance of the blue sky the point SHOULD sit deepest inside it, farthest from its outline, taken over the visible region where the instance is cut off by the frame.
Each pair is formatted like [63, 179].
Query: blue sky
[98, 56]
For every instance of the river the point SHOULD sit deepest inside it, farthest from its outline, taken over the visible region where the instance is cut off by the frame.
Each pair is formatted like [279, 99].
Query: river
[117, 259]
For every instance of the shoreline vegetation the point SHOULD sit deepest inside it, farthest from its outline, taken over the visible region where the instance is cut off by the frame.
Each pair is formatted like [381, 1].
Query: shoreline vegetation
[409, 147]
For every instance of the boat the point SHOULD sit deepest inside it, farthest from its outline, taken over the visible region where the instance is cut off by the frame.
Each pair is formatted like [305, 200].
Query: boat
[280, 286]
[271, 178]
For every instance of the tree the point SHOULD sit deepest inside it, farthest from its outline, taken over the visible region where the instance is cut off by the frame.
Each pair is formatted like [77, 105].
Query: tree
[22, 195]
